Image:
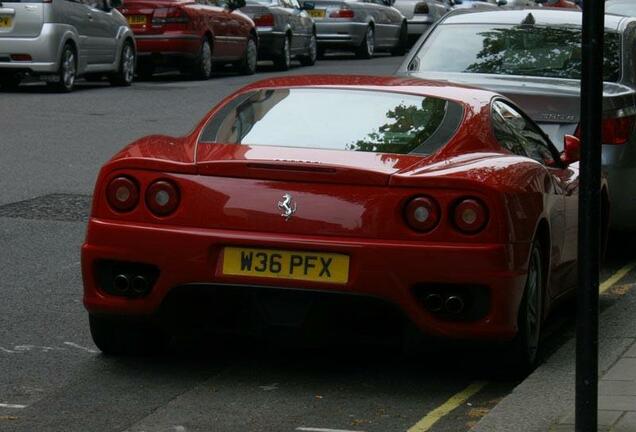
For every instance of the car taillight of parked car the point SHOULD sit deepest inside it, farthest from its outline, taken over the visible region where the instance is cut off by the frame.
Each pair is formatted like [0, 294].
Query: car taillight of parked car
[265, 20]
[470, 215]
[421, 9]
[342, 13]
[162, 197]
[615, 131]
[422, 213]
[163, 16]
[122, 194]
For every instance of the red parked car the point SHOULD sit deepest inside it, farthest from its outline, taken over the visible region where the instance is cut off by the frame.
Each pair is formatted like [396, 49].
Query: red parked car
[445, 201]
[192, 35]
[565, 4]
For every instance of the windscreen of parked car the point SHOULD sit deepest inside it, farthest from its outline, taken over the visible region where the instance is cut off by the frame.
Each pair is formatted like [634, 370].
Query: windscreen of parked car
[355, 120]
[621, 7]
[529, 50]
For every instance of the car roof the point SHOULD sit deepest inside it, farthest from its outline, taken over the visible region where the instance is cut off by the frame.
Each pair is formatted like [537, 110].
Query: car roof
[542, 16]
[417, 86]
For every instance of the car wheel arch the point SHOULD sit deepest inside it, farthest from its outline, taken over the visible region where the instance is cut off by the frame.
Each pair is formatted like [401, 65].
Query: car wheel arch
[543, 236]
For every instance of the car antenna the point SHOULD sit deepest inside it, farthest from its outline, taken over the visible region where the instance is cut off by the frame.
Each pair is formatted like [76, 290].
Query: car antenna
[528, 20]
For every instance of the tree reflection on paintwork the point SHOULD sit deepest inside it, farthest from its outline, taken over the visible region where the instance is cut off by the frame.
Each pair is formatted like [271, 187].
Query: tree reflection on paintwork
[408, 126]
[540, 51]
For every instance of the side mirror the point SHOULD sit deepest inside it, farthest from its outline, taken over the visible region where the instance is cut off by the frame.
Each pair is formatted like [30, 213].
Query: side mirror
[235, 4]
[571, 149]
[308, 5]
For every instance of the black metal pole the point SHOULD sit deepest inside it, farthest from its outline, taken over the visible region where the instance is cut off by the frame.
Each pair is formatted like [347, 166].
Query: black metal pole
[586, 417]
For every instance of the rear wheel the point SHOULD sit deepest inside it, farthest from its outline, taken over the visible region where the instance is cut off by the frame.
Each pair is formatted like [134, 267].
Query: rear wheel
[121, 337]
[309, 59]
[367, 47]
[203, 64]
[403, 41]
[283, 60]
[10, 81]
[126, 70]
[250, 58]
[67, 72]
[525, 346]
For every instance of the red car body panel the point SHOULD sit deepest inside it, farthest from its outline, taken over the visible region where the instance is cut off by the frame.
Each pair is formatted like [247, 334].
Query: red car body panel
[227, 30]
[229, 195]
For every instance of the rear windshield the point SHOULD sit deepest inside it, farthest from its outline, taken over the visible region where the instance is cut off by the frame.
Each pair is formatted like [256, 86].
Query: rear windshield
[529, 50]
[353, 120]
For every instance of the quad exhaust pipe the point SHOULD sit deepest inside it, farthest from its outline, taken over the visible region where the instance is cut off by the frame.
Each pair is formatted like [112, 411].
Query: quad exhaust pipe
[121, 283]
[139, 285]
[434, 302]
[124, 284]
[453, 304]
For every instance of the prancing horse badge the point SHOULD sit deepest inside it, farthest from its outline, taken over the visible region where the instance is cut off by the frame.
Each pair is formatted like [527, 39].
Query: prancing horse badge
[288, 206]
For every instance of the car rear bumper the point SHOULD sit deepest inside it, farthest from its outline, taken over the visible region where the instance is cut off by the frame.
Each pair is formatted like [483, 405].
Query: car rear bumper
[175, 44]
[340, 34]
[378, 269]
[418, 27]
[270, 44]
[43, 49]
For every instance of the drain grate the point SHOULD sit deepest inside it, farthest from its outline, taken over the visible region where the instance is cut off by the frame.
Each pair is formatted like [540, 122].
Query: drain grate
[57, 207]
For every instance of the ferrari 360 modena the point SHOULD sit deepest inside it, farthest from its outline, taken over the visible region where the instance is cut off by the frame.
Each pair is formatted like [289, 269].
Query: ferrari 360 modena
[446, 203]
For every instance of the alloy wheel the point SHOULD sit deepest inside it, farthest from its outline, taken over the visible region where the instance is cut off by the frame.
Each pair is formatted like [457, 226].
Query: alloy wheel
[128, 64]
[533, 302]
[68, 68]
[313, 49]
[206, 59]
[370, 41]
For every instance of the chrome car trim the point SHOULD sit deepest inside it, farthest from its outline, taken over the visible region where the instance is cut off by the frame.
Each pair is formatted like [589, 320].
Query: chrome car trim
[163, 36]
[288, 206]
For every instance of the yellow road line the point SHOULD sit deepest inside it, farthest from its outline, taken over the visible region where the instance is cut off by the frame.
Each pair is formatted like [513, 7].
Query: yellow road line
[620, 274]
[455, 401]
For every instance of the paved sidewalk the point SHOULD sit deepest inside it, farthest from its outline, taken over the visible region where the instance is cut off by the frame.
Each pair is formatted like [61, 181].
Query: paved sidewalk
[544, 401]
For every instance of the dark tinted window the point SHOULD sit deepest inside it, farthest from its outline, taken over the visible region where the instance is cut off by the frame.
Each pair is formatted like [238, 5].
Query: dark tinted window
[520, 136]
[352, 120]
[513, 50]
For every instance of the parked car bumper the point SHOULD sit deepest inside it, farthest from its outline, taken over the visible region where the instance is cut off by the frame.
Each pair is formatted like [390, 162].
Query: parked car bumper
[177, 44]
[417, 27]
[389, 271]
[340, 34]
[43, 49]
[270, 44]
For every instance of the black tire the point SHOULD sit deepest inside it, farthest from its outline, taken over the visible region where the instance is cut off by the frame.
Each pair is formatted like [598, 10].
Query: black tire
[525, 347]
[120, 337]
[126, 71]
[309, 59]
[10, 81]
[282, 61]
[67, 72]
[145, 69]
[202, 68]
[250, 58]
[403, 42]
[367, 47]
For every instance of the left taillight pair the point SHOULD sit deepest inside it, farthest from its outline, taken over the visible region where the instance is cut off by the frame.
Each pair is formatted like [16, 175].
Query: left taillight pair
[468, 215]
[161, 197]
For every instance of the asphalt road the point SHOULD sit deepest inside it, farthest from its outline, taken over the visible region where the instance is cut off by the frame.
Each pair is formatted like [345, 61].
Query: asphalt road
[52, 378]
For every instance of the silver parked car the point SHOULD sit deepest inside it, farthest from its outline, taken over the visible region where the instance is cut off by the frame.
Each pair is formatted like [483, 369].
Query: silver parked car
[533, 56]
[59, 40]
[364, 26]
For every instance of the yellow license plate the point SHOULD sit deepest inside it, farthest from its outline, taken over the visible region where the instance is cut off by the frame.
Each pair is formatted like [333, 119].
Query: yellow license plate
[5, 21]
[136, 20]
[317, 13]
[280, 264]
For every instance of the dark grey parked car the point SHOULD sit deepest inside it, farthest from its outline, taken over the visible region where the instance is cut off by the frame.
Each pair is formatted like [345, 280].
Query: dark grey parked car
[285, 31]
[362, 26]
[533, 56]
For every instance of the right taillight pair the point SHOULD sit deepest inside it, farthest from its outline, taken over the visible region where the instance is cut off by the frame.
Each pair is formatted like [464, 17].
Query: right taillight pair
[616, 130]
[469, 215]
[161, 197]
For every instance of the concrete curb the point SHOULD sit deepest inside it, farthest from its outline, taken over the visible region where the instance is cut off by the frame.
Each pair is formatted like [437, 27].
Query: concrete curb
[547, 394]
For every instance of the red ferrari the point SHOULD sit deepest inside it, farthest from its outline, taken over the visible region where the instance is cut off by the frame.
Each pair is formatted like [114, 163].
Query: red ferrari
[191, 35]
[445, 201]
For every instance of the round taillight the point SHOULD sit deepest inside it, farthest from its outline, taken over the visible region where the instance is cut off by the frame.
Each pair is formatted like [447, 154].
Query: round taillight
[122, 194]
[422, 213]
[162, 197]
[470, 215]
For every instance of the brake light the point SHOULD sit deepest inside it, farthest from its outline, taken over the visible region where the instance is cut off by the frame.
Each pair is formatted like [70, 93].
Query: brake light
[162, 16]
[21, 57]
[122, 194]
[422, 213]
[341, 13]
[266, 20]
[421, 8]
[616, 131]
[162, 197]
[470, 215]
